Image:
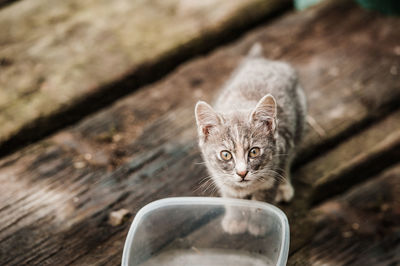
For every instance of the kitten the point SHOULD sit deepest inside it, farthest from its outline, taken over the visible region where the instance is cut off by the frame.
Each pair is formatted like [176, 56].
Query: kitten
[248, 141]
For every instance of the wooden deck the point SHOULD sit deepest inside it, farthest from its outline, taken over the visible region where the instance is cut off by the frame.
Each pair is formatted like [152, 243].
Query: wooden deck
[57, 193]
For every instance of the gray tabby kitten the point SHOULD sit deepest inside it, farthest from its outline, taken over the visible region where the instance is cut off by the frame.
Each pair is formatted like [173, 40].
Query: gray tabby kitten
[248, 140]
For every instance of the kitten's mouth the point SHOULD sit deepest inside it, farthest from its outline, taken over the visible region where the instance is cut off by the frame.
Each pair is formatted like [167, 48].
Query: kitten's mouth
[244, 182]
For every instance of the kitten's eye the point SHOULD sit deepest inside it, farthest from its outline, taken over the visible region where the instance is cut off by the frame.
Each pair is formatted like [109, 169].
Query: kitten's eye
[254, 152]
[226, 155]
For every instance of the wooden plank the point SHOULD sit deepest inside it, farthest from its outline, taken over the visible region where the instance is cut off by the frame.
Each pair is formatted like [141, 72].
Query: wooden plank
[353, 161]
[6, 2]
[59, 61]
[376, 146]
[347, 150]
[360, 227]
[60, 191]
[383, 154]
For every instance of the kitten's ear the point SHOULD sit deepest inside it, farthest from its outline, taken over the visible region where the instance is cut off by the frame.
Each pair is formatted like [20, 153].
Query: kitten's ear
[206, 118]
[265, 112]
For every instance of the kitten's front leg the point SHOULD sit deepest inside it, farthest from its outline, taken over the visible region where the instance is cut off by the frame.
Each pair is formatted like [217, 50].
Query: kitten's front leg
[285, 191]
[235, 219]
[258, 224]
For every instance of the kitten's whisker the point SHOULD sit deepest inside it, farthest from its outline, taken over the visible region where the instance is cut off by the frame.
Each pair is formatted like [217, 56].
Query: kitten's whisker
[284, 172]
[278, 170]
[272, 174]
[213, 186]
[204, 182]
[214, 190]
[209, 185]
[201, 186]
[280, 177]
[204, 179]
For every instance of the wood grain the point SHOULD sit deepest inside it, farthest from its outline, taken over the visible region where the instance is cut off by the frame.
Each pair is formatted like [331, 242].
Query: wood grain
[361, 227]
[56, 194]
[60, 61]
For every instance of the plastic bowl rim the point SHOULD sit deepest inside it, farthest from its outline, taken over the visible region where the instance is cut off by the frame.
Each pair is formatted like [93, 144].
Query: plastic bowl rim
[175, 201]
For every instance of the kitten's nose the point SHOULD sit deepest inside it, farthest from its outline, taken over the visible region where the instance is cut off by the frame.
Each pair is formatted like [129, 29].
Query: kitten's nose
[242, 174]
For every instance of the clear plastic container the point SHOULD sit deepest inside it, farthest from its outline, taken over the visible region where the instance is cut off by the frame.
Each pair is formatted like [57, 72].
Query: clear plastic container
[207, 231]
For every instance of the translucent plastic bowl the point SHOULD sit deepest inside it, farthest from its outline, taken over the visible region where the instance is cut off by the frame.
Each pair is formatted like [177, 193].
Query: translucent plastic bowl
[207, 231]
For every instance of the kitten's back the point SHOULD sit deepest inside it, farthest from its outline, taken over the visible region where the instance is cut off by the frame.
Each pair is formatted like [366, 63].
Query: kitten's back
[257, 76]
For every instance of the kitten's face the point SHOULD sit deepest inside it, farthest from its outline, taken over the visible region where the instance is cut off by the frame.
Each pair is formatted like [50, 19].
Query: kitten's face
[239, 147]
[240, 154]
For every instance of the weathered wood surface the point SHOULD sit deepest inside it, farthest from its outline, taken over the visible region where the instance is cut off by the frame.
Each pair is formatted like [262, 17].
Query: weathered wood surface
[56, 194]
[6, 2]
[354, 160]
[60, 60]
[361, 227]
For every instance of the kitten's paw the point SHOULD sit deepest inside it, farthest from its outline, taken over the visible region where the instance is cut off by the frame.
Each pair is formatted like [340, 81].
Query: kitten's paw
[234, 226]
[285, 193]
[257, 228]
